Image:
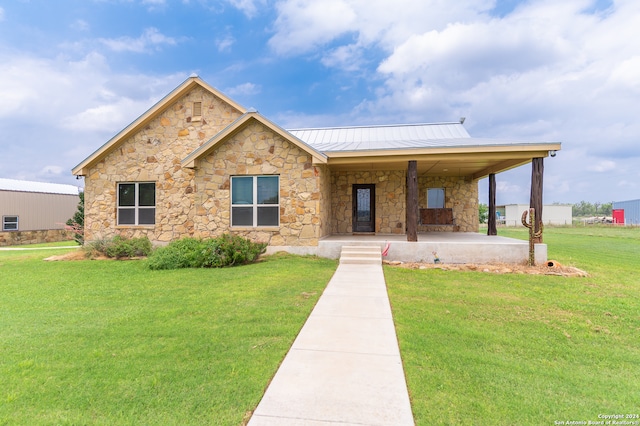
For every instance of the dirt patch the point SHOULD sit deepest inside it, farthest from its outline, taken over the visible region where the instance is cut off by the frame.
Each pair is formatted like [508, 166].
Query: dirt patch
[549, 268]
[73, 255]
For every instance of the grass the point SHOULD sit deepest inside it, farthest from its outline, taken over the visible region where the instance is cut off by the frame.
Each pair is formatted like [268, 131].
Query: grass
[112, 343]
[517, 349]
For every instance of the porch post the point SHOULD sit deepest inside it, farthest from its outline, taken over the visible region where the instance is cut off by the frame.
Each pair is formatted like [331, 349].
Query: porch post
[535, 202]
[492, 230]
[412, 201]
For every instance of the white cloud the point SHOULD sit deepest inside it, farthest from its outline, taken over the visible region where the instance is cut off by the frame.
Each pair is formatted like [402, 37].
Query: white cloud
[244, 89]
[602, 166]
[80, 25]
[1, 14]
[224, 44]
[248, 7]
[151, 39]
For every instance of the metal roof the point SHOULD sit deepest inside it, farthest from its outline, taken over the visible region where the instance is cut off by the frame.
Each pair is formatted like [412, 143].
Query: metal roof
[43, 187]
[359, 138]
[400, 136]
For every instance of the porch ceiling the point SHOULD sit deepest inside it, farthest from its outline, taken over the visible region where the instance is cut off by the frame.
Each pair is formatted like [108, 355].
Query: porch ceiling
[464, 163]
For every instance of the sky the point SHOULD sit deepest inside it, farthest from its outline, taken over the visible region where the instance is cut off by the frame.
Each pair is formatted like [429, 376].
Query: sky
[73, 73]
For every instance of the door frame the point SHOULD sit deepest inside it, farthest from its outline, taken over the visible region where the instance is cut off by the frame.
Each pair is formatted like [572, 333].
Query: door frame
[372, 207]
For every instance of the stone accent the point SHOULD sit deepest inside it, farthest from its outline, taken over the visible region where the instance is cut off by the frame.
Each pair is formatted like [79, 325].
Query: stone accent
[460, 195]
[154, 154]
[12, 238]
[256, 150]
[390, 199]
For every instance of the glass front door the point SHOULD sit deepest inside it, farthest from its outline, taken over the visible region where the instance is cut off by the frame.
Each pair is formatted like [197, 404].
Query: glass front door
[364, 211]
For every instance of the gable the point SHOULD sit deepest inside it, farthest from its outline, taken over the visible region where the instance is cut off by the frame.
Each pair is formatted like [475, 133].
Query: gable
[217, 112]
[240, 125]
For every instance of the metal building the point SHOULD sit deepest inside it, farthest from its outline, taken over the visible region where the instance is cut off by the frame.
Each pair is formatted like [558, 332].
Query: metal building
[35, 206]
[631, 211]
[552, 214]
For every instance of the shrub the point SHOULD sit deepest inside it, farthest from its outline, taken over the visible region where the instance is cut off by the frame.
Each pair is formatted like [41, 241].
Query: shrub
[218, 252]
[120, 248]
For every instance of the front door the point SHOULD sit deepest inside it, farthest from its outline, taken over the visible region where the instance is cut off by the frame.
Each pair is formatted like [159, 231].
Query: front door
[364, 208]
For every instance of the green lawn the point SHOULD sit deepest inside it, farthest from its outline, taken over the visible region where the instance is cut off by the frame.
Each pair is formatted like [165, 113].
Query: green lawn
[484, 348]
[108, 343]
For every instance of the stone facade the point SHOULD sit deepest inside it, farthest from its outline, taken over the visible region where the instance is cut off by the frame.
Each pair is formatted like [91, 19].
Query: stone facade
[315, 201]
[256, 150]
[460, 195]
[154, 154]
[11, 238]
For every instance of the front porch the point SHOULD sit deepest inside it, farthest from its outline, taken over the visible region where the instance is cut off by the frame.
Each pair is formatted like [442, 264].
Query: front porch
[451, 247]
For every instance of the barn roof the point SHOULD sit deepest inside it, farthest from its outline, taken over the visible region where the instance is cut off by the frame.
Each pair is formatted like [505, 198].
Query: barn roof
[42, 187]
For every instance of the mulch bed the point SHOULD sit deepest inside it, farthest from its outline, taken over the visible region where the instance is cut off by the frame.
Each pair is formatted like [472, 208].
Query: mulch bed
[549, 268]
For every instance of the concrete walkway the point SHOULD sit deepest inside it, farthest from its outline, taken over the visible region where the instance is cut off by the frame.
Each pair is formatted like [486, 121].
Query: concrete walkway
[344, 368]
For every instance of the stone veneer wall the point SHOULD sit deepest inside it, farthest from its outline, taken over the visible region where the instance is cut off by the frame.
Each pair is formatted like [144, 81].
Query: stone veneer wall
[460, 195]
[154, 154]
[11, 238]
[390, 199]
[256, 150]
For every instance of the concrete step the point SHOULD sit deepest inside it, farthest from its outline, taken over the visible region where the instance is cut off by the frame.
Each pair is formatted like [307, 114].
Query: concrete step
[361, 255]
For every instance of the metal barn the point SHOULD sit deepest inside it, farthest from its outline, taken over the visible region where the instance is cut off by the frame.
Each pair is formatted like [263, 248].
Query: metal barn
[35, 206]
[631, 211]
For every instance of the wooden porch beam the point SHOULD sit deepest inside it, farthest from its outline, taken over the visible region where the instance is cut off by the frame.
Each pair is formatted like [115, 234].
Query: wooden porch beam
[412, 201]
[535, 202]
[492, 230]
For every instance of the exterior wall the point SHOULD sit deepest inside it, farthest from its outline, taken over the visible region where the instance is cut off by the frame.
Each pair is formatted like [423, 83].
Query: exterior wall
[460, 195]
[38, 211]
[154, 154]
[511, 214]
[256, 150]
[631, 211]
[11, 238]
[390, 199]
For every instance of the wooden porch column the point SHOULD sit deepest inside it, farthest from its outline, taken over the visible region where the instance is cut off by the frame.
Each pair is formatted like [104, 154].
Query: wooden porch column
[412, 201]
[492, 230]
[535, 202]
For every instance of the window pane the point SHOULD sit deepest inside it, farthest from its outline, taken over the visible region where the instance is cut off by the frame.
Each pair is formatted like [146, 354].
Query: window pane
[268, 216]
[126, 217]
[11, 219]
[10, 226]
[242, 216]
[268, 190]
[146, 216]
[147, 194]
[242, 190]
[435, 198]
[126, 194]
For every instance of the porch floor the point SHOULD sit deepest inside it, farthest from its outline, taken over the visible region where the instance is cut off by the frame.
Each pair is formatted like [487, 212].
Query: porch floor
[451, 247]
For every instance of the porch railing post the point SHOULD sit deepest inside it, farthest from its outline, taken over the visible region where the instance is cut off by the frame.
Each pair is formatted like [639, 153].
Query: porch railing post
[412, 201]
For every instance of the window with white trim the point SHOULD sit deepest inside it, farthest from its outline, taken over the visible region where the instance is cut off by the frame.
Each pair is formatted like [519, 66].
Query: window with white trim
[137, 203]
[435, 198]
[9, 223]
[255, 200]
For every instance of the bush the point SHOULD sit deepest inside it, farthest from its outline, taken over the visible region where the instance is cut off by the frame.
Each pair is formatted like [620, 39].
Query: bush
[218, 252]
[120, 248]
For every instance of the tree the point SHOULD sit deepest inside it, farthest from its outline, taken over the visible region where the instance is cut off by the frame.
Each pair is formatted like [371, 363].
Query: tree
[483, 212]
[76, 223]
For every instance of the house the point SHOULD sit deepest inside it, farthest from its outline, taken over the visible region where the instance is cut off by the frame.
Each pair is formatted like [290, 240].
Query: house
[199, 164]
[35, 212]
[627, 212]
[552, 214]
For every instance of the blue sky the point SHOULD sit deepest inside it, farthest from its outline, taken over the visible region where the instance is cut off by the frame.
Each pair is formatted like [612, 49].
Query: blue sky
[74, 73]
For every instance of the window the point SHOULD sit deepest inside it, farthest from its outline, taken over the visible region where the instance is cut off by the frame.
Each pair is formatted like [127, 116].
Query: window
[9, 223]
[137, 203]
[255, 201]
[435, 198]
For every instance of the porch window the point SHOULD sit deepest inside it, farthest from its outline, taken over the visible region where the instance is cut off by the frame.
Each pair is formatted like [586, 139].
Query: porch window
[137, 203]
[9, 223]
[435, 198]
[255, 201]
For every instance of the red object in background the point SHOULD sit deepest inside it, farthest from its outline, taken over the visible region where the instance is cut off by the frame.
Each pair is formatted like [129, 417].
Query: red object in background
[618, 216]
